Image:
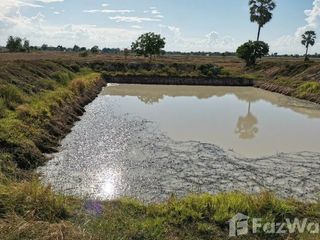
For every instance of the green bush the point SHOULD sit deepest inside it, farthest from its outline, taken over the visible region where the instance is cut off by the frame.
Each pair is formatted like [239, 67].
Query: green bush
[11, 95]
[105, 75]
[171, 71]
[75, 68]
[63, 77]
[84, 54]
[209, 70]
[251, 51]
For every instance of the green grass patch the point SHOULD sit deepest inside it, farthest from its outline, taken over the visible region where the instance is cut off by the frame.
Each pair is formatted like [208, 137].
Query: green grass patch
[32, 200]
[308, 88]
[194, 217]
[11, 95]
[63, 77]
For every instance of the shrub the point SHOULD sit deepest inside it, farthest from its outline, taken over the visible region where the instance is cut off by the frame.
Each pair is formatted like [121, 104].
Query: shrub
[225, 72]
[75, 68]
[171, 71]
[63, 77]
[84, 54]
[11, 95]
[105, 75]
[209, 70]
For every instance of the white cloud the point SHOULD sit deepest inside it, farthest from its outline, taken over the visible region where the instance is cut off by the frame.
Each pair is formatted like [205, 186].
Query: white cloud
[49, 1]
[9, 6]
[212, 38]
[175, 30]
[134, 19]
[313, 19]
[155, 12]
[292, 43]
[136, 26]
[104, 4]
[108, 11]
[39, 31]
[210, 42]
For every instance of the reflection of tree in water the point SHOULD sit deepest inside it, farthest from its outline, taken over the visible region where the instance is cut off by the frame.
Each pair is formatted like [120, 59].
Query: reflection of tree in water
[246, 126]
[149, 99]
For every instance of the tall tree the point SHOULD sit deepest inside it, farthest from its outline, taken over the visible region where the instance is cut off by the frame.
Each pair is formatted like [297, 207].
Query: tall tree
[76, 48]
[148, 45]
[95, 50]
[26, 45]
[308, 39]
[44, 47]
[14, 44]
[261, 12]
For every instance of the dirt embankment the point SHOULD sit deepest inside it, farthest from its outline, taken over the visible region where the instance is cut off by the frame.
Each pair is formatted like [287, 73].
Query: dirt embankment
[198, 81]
[39, 102]
[296, 79]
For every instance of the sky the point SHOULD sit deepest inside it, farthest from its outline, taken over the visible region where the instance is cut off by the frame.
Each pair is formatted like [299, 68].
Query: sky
[187, 25]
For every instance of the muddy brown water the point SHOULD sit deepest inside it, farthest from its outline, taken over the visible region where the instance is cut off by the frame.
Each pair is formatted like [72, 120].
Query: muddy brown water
[151, 141]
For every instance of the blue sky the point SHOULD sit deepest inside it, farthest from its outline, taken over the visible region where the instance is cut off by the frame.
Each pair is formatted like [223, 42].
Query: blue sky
[188, 25]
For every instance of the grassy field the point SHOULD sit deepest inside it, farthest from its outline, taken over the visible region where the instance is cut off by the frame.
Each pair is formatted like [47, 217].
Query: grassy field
[42, 94]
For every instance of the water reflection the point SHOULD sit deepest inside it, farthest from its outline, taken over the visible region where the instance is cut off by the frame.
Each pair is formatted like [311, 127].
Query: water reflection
[216, 115]
[149, 99]
[153, 94]
[109, 181]
[247, 125]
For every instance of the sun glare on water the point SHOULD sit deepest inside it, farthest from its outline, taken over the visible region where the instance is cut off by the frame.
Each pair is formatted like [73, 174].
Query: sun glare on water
[109, 180]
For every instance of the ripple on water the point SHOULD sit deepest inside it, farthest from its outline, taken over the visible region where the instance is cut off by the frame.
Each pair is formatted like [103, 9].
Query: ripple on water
[108, 155]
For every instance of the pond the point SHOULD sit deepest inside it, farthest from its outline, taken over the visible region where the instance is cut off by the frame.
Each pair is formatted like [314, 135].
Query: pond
[151, 141]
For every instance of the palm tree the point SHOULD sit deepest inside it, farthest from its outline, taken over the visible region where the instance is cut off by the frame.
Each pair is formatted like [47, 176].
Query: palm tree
[260, 12]
[247, 126]
[308, 39]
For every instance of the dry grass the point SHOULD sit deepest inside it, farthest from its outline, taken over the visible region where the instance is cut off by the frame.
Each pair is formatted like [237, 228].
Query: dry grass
[17, 228]
[231, 63]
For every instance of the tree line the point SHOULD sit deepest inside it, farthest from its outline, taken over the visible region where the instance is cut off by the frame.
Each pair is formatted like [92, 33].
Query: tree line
[18, 44]
[152, 44]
